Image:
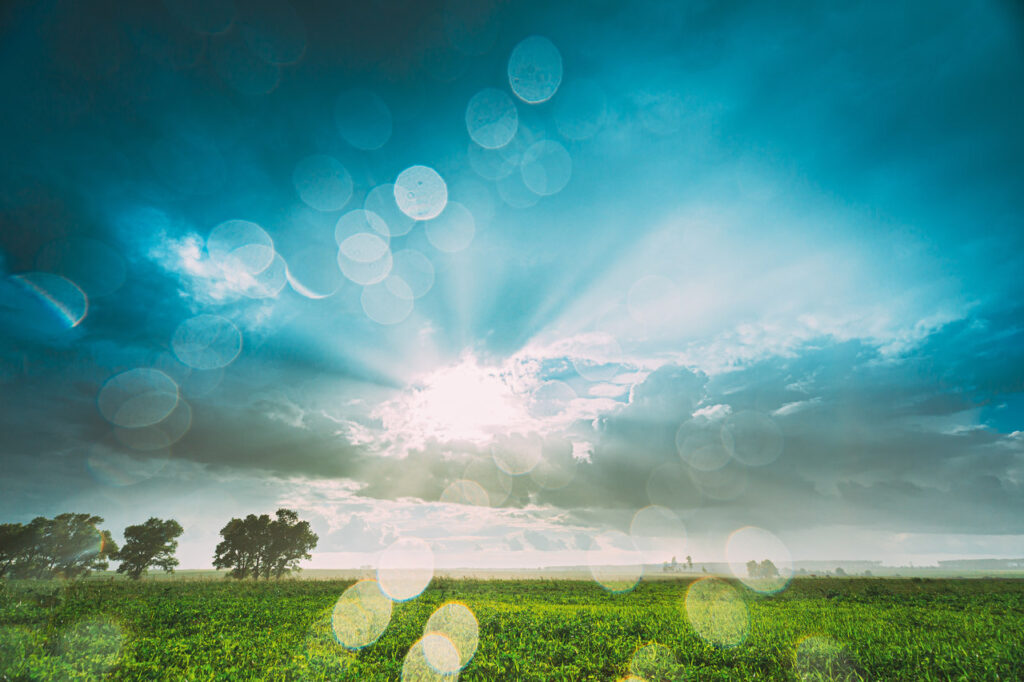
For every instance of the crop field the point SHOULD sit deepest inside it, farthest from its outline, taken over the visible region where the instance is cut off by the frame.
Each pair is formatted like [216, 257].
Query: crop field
[711, 629]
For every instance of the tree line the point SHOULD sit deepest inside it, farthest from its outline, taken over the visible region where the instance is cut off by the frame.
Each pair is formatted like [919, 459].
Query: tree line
[73, 545]
[765, 569]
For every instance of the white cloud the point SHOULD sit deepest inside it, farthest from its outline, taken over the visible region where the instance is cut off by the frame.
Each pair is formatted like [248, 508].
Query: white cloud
[609, 390]
[358, 528]
[582, 451]
[713, 412]
[794, 407]
[215, 282]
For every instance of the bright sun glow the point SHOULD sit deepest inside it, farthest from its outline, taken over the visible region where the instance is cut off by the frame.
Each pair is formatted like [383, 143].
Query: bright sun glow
[463, 402]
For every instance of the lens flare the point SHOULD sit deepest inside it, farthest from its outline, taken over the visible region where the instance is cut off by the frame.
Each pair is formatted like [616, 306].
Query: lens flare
[420, 193]
[759, 559]
[655, 662]
[240, 246]
[161, 435]
[415, 269]
[418, 668]
[752, 438]
[365, 258]
[453, 230]
[380, 201]
[496, 483]
[465, 492]
[516, 454]
[201, 383]
[717, 612]
[514, 192]
[405, 568]
[313, 272]
[322, 182]
[388, 302]
[614, 561]
[598, 357]
[361, 615]
[456, 622]
[546, 167]
[557, 466]
[658, 534]
[699, 444]
[359, 221]
[62, 297]
[490, 164]
[440, 653]
[91, 647]
[491, 118]
[535, 69]
[551, 399]
[729, 482]
[137, 398]
[207, 342]
[270, 282]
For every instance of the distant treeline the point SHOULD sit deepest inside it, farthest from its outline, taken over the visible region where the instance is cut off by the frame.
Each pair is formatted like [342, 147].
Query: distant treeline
[73, 545]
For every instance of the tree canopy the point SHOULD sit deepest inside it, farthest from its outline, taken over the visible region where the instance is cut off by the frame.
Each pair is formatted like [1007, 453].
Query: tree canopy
[66, 546]
[148, 544]
[258, 546]
[765, 569]
[14, 543]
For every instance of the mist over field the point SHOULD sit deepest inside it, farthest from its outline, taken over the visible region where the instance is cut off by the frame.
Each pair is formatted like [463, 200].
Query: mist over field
[499, 286]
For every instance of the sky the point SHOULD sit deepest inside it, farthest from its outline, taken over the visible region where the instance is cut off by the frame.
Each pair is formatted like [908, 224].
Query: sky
[519, 284]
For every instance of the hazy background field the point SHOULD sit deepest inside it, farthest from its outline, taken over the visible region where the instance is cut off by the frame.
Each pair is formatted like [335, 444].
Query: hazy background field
[994, 568]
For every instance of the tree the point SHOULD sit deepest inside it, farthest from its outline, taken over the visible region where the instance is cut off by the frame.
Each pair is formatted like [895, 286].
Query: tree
[66, 546]
[239, 548]
[291, 541]
[13, 545]
[258, 546]
[152, 543]
[765, 569]
[689, 561]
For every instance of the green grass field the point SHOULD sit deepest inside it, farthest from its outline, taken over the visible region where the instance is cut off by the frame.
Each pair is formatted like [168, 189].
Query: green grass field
[816, 629]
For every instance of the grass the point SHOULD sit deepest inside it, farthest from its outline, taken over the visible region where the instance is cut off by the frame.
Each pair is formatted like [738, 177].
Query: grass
[816, 629]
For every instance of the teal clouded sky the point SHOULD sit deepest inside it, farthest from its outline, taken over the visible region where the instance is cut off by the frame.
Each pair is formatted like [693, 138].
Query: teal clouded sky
[501, 275]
